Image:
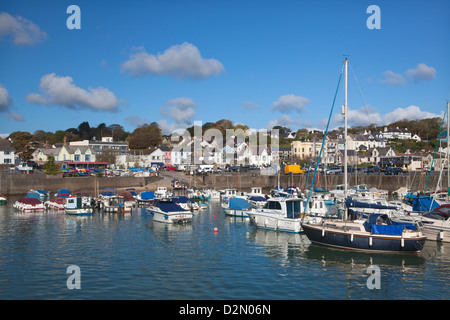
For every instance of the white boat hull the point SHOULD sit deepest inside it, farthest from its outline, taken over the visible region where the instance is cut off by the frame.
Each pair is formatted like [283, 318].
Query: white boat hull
[170, 217]
[79, 212]
[436, 233]
[235, 212]
[276, 222]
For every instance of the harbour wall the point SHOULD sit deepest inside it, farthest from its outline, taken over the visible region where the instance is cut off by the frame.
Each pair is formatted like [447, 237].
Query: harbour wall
[20, 184]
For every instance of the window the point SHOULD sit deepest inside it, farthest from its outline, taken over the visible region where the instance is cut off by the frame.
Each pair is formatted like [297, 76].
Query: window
[76, 157]
[87, 158]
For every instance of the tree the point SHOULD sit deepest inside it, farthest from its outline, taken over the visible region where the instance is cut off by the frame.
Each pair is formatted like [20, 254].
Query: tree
[50, 166]
[24, 144]
[145, 137]
[85, 130]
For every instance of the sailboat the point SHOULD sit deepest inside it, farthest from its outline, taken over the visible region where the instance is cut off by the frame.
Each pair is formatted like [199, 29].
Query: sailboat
[376, 233]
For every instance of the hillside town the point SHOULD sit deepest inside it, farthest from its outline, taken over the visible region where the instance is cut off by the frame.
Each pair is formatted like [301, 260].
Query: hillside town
[197, 153]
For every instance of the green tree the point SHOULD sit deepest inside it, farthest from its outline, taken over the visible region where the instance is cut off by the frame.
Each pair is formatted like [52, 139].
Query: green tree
[24, 144]
[50, 166]
[145, 137]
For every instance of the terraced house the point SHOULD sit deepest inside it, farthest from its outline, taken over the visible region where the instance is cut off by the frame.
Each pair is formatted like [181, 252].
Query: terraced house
[69, 154]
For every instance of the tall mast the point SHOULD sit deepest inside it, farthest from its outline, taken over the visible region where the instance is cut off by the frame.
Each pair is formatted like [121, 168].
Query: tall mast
[448, 127]
[345, 130]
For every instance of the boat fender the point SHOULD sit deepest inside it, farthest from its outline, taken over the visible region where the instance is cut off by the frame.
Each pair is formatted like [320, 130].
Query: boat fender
[441, 235]
[323, 232]
[402, 242]
[370, 241]
[351, 237]
[166, 216]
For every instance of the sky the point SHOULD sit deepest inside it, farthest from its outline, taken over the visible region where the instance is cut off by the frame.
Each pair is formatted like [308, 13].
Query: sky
[260, 63]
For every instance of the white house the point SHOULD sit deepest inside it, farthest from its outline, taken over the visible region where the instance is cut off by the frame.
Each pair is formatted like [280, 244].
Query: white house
[6, 152]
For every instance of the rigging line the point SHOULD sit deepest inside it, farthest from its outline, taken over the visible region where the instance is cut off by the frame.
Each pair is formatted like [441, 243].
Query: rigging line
[435, 151]
[323, 143]
[357, 85]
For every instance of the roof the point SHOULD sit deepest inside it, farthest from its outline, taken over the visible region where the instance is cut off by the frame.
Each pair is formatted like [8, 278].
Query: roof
[5, 145]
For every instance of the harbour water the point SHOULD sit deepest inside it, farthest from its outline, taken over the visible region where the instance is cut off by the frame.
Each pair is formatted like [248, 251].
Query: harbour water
[131, 257]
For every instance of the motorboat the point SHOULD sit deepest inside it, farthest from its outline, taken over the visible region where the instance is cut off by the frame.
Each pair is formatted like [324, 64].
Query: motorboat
[167, 211]
[29, 205]
[57, 203]
[186, 203]
[256, 197]
[237, 207]
[3, 199]
[74, 205]
[129, 202]
[145, 198]
[161, 192]
[281, 214]
[436, 223]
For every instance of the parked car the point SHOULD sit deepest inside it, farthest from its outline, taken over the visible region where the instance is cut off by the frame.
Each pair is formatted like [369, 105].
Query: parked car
[373, 169]
[393, 171]
[333, 170]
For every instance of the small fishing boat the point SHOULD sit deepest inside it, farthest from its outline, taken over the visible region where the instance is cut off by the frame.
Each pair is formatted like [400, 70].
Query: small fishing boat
[377, 233]
[42, 194]
[186, 203]
[161, 192]
[3, 199]
[167, 211]
[145, 197]
[129, 202]
[112, 204]
[74, 205]
[237, 207]
[256, 197]
[198, 195]
[29, 205]
[57, 203]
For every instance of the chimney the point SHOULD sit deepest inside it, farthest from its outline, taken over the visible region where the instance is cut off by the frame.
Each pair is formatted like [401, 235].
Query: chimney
[65, 140]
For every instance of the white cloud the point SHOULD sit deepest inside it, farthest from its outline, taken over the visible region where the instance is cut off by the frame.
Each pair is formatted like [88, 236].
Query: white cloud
[289, 103]
[179, 109]
[5, 100]
[367, 115]
[421, 72]
[136, 121]
[180, 61]
[16, 116]
[169, 128]
[410, 113]
[248, 105]
[21, 30]
[284, 121]
[362, 117]
[62, 91]
[392, 78]
[6, 103]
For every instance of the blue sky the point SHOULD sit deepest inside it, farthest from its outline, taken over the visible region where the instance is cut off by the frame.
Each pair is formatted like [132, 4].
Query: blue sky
[260, 63]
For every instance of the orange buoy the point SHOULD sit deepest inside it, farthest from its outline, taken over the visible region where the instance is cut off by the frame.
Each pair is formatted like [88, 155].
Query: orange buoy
[216, 230]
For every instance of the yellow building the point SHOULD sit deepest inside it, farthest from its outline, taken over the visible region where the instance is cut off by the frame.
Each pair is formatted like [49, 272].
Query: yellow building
[304, 150]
